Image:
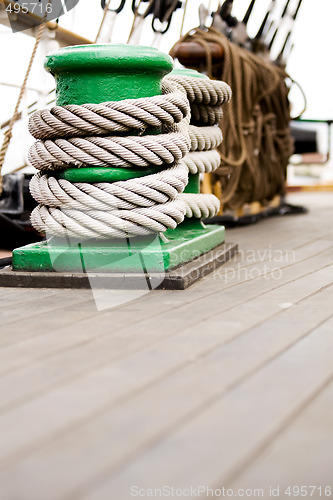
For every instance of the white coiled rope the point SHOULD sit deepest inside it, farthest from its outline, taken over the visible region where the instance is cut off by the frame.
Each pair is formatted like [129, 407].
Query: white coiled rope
[139, 206]
[139, 192]
[110, 224]
[202, 90]
[206, 98]
[200, 205]
[202, 162]
[131, 151]
[113, 116]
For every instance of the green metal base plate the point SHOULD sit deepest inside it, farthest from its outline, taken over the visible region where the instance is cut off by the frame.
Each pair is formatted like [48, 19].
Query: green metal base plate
[177, 279]
[157, 253]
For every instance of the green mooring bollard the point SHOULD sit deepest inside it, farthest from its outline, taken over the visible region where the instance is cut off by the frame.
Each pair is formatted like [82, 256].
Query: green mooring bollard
[193, 185]
[95, 74]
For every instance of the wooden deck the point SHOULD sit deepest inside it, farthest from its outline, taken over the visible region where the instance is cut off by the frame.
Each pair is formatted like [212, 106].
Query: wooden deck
[227, 384]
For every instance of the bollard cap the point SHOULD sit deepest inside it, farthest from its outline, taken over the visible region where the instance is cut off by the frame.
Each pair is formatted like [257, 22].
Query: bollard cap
[111, 57]
[107, 72]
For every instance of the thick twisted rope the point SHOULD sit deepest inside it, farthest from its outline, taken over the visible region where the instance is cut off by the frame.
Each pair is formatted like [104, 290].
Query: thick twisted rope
[203, 158]
[133, 193]
[260, 91]
[200, 205]
[114, 116]
[107, 224]
[202, 162]
[203, 90]
[130, 151]
[121, 209]
[207, 115]
[204, 138]
[205, 96]
[137, 206]
[138, 151]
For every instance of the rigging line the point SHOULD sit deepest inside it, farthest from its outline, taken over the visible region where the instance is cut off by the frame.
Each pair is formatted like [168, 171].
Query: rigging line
[167, 17]
[106, 8]
[136, 13]
[183, 19]
[142, 17]
[170, 11]
[30, 111]
[8, 133]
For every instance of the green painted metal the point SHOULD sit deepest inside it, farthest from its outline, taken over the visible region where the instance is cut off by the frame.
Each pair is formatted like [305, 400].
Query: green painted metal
[107, 72]
[99, 73]
[193, 185]
[156, 253]
[104, 174]
[188, 72]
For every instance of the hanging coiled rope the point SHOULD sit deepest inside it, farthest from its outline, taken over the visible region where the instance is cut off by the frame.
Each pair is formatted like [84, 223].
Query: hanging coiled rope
[257, 142]
[138, 206]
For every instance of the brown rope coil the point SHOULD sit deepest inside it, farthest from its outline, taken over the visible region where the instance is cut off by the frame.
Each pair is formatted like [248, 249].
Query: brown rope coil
[255, 126]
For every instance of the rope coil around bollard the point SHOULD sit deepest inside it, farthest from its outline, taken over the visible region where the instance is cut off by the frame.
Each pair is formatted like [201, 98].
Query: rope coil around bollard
[138, 206]
[113, 116]
[138, 151]
[206, 98]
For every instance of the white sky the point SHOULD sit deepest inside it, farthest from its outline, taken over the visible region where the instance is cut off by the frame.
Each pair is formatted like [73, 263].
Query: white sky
[310, 62]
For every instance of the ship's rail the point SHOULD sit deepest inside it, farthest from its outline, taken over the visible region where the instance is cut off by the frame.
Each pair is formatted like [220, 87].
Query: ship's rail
[27, 22]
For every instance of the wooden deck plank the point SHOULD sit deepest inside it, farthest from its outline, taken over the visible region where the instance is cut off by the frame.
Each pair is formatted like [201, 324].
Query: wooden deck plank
[25, 331]
[252, 262]
[40, 300]
[263, 255]
[221, 436]
[17, 297]
[301, 455]
[45, 323]
[221, 280]
[291, 230]
[179, 396]
[29, 300]
[91, 401]
[211, 302]
[105, 344]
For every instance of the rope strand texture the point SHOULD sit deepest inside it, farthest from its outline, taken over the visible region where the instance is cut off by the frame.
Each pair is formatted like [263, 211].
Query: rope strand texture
[203, 90]
[104, 225]
[204, 138]
[257, 145]
[200, 205]
[145, 191]
[114, 116]
[205, 96]
[138, 151]
[202, 162]
[139, 206]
